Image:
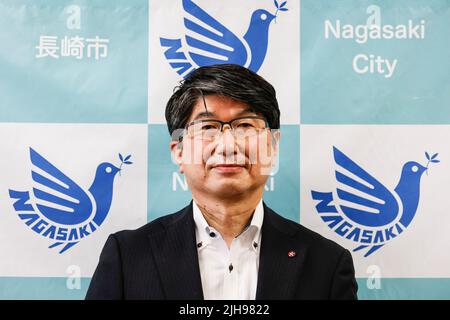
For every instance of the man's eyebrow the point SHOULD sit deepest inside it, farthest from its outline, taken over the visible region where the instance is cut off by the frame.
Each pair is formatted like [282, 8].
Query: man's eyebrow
[246, 110]
[207, 114]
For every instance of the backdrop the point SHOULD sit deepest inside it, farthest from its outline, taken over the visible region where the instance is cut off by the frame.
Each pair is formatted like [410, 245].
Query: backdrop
[364, 93]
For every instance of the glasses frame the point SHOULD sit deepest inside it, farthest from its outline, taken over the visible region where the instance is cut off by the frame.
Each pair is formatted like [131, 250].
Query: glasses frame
[222, 123]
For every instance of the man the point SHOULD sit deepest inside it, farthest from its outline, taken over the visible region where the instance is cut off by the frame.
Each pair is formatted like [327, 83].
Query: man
[227, 243]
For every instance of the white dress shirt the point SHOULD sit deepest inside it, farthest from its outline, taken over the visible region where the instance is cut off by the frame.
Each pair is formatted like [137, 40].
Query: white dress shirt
[228, 274]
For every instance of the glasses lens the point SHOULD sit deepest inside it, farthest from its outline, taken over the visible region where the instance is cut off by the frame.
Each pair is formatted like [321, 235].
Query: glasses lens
[204, 129]
[248, 126]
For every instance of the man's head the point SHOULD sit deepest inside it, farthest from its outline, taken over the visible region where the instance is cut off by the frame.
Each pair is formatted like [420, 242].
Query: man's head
[220, 119]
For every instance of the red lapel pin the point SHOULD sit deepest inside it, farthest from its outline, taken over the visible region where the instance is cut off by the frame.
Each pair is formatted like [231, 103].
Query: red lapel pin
[292, 254]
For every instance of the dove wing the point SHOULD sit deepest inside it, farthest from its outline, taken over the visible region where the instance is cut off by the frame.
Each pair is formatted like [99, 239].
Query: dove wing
[215, 44]
[58, 197]
[370, 203]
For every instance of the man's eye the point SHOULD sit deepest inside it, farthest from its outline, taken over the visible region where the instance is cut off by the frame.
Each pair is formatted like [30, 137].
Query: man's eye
[208, 127]
[246, 125]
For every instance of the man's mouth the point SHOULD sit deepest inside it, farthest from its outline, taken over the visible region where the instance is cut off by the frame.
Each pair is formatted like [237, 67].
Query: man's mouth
[228, 167]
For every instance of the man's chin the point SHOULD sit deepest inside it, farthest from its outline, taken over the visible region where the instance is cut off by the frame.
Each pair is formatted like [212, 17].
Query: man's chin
[230, 189]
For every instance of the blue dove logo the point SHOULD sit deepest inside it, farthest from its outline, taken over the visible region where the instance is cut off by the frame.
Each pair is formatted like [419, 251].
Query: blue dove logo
[213, 43]
[61, 210]
[369, 213]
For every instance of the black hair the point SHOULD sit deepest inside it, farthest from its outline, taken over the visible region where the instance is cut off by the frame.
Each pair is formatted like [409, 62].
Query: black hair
[229, 80]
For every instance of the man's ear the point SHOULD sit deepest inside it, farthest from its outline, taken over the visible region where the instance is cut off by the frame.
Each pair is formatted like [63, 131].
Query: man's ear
[275, 137]
[176, 150]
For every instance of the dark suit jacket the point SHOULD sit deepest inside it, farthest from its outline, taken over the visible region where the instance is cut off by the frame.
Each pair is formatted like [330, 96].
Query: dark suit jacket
[159, 261]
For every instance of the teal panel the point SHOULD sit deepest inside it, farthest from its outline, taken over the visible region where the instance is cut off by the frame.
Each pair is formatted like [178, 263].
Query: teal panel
[67, 89]
[283, 197]
[406, 289]
[40, 288]
[418, 92]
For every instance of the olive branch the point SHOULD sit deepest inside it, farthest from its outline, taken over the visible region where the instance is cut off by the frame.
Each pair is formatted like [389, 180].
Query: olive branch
[124, 160]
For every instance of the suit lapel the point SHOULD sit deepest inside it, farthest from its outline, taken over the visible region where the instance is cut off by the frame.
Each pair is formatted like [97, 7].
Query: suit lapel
[175, 254]
[278, 273]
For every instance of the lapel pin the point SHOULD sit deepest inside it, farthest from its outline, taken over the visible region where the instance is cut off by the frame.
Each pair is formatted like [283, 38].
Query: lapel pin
[292, 254]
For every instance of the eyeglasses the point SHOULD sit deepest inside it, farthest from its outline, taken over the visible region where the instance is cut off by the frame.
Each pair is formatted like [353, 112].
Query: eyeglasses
[209, 129]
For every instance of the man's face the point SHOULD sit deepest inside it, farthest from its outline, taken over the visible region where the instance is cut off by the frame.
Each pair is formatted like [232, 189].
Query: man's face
[226, 165]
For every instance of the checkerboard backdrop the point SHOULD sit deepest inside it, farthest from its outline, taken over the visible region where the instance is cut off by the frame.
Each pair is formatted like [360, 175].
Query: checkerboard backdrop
[364, 93]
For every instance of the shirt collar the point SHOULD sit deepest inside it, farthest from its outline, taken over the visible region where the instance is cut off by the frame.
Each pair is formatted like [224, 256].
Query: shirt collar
[203, 230]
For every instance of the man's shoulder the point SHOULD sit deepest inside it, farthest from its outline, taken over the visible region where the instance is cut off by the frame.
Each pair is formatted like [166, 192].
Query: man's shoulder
[152, 228]
[306, 236]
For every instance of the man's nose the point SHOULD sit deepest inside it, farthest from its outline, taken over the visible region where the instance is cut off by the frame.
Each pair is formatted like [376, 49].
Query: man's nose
[226, 143]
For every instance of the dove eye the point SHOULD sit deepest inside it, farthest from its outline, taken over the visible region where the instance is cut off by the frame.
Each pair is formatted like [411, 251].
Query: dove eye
[263, 16]
[415, 169]
[108, 169]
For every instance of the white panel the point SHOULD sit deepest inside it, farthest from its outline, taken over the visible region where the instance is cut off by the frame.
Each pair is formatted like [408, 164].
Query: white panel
[422, 249]
[281, 66]
[76, 150]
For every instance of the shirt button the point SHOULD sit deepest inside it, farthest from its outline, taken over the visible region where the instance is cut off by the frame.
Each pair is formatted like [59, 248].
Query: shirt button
[255, 245]
[199, 245]
[230, 267]
[212, 234]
